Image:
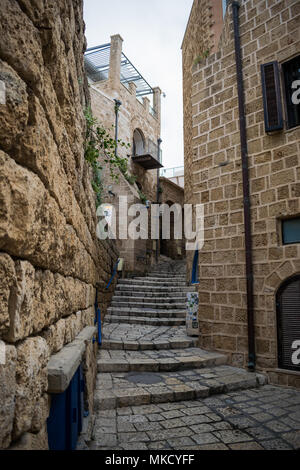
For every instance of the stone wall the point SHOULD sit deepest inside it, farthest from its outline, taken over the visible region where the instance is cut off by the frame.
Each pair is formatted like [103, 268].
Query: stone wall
[171, 193]
[133, 114]
[50, 260]
[201, 37]
[269, 31]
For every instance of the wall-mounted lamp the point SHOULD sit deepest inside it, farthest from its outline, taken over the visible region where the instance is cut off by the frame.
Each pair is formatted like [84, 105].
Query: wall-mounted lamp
[110, 191]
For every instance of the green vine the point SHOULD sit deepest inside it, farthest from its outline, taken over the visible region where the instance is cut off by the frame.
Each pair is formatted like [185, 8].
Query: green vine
[142, 196]
[101, 147]
[204, 55]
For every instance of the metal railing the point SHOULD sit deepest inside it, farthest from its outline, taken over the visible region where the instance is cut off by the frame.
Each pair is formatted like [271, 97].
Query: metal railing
[172, 172]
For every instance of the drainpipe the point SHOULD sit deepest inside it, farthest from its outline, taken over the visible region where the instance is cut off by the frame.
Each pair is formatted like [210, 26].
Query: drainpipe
[117, 107]
[159, 141]
[246, 190]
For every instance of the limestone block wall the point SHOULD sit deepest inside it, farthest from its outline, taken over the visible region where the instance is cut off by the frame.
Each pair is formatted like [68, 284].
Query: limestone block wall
[171, 194]
[50, 260]
[269, 31]
[133, 114]
[201, 37]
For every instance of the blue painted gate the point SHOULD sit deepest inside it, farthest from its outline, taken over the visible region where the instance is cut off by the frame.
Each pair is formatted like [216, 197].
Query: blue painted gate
[66, 415]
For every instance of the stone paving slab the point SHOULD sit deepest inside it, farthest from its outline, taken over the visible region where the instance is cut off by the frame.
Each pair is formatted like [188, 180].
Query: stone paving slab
[148, 304]
[233, 421]
[129, 294]
[157, 361]
[151, 313]
[141, 337]
[149, 283]
[154, 299]
[126, 389]
[153, 289]
[144, 320]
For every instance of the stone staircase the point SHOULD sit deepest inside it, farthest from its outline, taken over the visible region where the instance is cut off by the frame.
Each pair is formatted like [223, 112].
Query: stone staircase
[146, 356]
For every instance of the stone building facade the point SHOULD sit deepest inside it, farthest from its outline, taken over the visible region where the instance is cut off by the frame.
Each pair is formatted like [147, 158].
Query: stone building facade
[51, 261]
[269, 32]
[139, 125]
[171, 193]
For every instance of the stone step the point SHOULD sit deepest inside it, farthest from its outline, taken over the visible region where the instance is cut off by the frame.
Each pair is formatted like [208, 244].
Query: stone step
[149, 283]
[115, 390]
[154, 289]
[163, 276]
[154, 299]
[150, 295]
[135, 312]
[160, 279]
[153, 361]
[145, 320]
[142, 345]
[149, 305]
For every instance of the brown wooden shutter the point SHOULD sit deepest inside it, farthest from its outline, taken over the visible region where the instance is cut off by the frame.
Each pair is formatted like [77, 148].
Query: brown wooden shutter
[288, 309]
[271, 96]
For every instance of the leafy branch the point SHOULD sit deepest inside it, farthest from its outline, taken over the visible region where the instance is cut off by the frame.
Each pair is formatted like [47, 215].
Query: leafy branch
[101, 147]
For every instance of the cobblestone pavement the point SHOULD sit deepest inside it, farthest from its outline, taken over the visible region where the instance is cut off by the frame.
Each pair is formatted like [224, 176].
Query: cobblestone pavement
[126, 336]
[156, 390]
[123, 389]
[162, 360]
[264, 418]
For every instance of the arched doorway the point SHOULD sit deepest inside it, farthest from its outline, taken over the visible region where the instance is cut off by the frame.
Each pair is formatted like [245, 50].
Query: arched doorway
[138, 143]
[288, 323]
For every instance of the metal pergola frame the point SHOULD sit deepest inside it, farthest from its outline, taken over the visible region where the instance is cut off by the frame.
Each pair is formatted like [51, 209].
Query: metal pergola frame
[97, 66]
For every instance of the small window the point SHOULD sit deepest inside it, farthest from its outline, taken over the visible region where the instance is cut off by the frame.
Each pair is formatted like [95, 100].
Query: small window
[291, 74]
[195, 272]
[271, 97]
[291, 231]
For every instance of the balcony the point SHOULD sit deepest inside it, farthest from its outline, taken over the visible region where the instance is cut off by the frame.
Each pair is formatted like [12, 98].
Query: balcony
[146, 154]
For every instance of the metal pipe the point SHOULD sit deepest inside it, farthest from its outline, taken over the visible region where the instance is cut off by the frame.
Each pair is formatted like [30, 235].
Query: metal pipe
[117, 107]
[159, 141]
[246, 190]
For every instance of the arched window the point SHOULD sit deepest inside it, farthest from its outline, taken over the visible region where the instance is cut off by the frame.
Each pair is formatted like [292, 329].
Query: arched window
[195, 269]
[288, 324]
[138, 143]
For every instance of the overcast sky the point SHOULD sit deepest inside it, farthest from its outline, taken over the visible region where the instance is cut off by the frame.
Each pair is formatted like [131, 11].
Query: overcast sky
[152, 31]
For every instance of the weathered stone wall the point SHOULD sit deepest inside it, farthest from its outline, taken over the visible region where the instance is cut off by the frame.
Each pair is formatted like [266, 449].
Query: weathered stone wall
[269, 31]
[133, 114]
[201, 37]
[50, 259]
[171, 193]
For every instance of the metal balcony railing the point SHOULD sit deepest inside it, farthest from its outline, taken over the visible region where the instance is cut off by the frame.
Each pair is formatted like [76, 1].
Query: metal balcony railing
[148, 157]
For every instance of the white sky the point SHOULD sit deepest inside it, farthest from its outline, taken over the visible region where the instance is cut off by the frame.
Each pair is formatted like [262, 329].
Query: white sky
[152, 31]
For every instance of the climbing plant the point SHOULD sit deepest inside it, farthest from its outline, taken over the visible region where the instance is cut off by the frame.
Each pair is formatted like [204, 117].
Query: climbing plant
[100, 148]
[202, 56]
[142, 196]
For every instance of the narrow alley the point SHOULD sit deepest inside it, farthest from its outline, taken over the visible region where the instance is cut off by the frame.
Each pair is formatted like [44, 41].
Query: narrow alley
[157, 390]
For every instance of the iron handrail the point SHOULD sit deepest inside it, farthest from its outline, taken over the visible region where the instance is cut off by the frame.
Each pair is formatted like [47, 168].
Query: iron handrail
[97, 309]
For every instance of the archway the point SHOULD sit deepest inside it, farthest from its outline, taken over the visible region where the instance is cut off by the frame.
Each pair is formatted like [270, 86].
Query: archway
[138, 143]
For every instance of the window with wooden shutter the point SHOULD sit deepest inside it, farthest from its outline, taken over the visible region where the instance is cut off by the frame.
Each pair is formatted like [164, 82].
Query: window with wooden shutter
[271, 97]
[288, 315]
